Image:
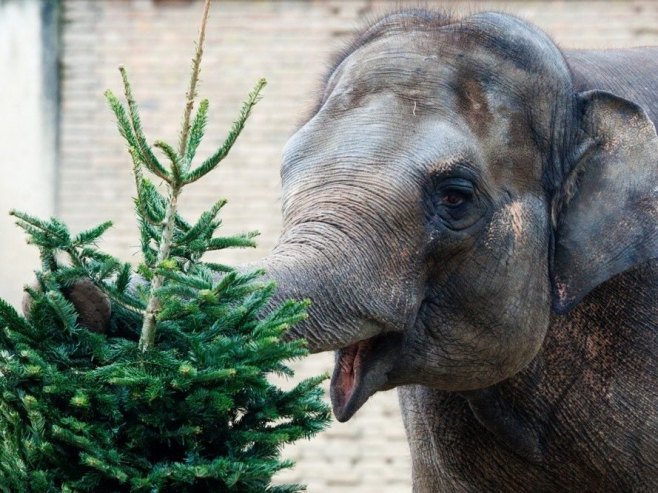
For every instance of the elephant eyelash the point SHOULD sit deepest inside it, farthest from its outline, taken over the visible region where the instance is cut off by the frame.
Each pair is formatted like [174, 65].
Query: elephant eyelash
[457, 184]
[455, 169]
[444, 167]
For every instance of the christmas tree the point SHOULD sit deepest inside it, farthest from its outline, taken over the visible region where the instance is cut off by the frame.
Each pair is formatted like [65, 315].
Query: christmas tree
[171, 393]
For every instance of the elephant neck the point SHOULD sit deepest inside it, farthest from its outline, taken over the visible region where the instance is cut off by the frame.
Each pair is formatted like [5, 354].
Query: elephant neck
[609, 337]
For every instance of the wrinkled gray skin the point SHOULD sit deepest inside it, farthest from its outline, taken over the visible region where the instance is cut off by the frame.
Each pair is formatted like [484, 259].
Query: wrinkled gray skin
[474, 216]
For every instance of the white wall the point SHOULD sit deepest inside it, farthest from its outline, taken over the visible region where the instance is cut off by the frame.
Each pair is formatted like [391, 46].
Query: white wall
[27, 137]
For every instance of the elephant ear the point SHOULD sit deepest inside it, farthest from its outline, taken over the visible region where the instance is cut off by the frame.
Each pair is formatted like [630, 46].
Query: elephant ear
[606, 214]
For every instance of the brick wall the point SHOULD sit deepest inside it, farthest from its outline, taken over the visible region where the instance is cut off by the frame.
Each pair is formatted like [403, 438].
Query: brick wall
[289, 42]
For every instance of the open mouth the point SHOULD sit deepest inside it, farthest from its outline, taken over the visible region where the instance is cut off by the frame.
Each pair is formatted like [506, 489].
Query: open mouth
[361, 370]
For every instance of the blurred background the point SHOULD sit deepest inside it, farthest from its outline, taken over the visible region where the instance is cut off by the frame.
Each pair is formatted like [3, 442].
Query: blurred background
[60, 153]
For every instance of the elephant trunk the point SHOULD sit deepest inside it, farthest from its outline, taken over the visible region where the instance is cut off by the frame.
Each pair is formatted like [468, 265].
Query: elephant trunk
[333, 321]
[350, 301]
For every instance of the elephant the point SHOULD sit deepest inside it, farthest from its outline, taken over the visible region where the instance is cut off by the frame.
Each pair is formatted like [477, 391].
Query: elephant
[474, 215]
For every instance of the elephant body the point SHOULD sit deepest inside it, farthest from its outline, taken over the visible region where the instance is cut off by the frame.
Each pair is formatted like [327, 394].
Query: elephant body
[583, 416]
[474, 215]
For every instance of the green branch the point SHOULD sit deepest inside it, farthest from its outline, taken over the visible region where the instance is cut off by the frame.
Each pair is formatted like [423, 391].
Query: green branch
[212, 162]
[194, 79]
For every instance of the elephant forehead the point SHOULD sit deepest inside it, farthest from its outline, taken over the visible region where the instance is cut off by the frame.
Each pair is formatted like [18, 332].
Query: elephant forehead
[414, 76]
[403, 65]
[436, 70]
[402, 103]
[378, 138]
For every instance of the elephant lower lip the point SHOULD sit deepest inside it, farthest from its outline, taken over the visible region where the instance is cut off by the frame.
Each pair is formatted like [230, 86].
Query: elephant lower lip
[348, 392]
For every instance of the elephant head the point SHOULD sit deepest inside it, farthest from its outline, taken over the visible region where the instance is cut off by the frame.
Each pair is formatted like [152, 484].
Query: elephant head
[451, 189]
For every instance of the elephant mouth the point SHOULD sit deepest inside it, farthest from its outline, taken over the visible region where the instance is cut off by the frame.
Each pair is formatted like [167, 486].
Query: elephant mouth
[361, 370]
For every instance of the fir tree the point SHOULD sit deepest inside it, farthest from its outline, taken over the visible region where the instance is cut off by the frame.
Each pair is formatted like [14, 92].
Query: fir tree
[172, 396]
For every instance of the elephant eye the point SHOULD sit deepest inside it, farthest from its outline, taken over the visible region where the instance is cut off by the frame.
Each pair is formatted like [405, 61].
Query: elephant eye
[454, 197]
[455, 202]
[455, 192]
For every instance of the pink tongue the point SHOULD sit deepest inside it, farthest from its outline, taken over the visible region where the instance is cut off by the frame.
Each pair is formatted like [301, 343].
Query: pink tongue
[345, 377]
[347, 381]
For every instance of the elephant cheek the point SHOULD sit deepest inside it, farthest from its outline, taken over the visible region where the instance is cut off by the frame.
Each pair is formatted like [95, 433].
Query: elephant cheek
[520, 288]
[495, 323]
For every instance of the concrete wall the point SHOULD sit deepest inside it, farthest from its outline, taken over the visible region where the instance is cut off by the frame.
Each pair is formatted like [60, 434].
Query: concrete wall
[289, 42]
[28, 117]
